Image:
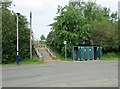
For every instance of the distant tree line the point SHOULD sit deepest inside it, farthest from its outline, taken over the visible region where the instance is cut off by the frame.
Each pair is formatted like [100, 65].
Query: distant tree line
[84, 21]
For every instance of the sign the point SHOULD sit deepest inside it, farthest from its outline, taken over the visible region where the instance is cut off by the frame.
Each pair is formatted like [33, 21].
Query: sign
[65, 42]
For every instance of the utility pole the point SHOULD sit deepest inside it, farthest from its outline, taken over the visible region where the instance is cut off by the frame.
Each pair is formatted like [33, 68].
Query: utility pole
[119, 10]
[30, 35]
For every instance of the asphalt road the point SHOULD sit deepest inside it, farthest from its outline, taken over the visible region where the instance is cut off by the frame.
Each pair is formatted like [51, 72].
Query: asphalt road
[62, 74]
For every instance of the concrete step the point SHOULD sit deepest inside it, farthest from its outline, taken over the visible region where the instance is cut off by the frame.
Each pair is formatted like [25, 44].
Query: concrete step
[44, 53]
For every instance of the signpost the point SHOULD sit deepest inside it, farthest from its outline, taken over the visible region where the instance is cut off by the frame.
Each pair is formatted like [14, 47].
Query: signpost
[65, 43]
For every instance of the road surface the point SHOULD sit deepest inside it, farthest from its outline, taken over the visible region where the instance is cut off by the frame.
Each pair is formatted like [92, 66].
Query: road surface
[93, 73]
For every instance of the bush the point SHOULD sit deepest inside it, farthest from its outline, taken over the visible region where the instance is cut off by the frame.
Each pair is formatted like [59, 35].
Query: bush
[111, 56]
[9, 37]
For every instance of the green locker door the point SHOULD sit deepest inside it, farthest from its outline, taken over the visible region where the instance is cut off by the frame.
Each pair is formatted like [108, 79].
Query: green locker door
[80, 53]
[91, 53]
[86, 53]
[99, 51]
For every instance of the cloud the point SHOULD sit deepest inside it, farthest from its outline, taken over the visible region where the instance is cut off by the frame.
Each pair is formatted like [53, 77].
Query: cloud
[45, 10]
[28, 3]
[112, 4]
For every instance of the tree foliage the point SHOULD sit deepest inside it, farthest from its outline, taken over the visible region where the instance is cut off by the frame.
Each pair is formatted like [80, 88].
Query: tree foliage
[9, 36]
[42, 37]
[105, 34]
[80, 21]
[5, 3]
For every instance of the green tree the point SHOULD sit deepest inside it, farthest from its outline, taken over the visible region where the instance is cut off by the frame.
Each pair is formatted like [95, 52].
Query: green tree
[70, 25]
[78, 21]
[105, 34]
[6, 3]
[42, 37]
[9, 36]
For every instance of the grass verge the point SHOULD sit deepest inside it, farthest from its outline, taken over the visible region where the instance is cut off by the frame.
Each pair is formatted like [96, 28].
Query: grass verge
[31, 61]
[111, 56]
[58, 55]
[26, 61]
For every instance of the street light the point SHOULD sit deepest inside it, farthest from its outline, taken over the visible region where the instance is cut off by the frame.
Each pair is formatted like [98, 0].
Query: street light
[17, 55]
[65, 43]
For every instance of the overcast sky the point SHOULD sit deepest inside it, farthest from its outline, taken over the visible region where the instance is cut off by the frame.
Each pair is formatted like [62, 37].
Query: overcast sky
[45, 10]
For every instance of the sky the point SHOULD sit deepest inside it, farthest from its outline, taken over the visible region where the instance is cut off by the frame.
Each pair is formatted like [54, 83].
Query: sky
[43, 12]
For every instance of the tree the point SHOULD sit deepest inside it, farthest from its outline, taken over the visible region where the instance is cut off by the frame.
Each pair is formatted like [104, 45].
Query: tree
[75, 22]
[6, 3]
[105, 34]
[70, 25]
[42, 37]
[9, 36]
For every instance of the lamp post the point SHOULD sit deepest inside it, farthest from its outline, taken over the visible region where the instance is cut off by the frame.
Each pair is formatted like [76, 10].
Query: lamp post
[65, 43]
[17, 55]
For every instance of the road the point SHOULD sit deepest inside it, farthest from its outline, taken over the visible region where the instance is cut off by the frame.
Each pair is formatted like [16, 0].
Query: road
[62, 74]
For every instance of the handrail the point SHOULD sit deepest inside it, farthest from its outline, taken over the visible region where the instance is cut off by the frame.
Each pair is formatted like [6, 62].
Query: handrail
[51, 54]
[39, 54]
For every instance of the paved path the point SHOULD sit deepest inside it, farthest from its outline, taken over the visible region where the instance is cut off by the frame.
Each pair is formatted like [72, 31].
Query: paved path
[44, 53]
[62, 74]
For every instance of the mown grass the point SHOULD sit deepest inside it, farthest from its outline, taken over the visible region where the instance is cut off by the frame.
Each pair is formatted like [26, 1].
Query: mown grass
[111, 56]
[58, 55]
[31, 61]
[26, 61]
[62, 58]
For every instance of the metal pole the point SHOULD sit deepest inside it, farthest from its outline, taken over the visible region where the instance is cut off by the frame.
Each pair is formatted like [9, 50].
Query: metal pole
[17, 56]
[30, 35]
[119, 13]
[17, 37]
[65, 54]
